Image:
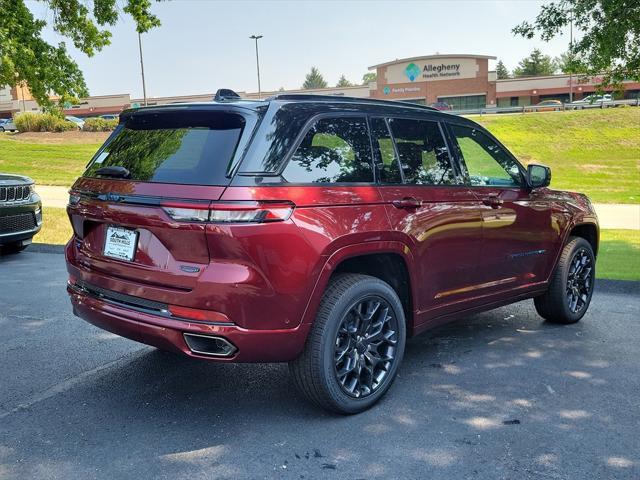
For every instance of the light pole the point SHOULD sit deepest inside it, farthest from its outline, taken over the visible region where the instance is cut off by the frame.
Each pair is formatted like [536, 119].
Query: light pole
[571, 57]
[256, 38]
[144, 87]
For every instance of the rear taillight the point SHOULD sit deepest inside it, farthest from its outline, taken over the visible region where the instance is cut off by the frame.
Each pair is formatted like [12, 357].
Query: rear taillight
[230, 212]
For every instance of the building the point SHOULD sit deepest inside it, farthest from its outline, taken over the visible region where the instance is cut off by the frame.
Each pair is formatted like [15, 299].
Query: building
[464, 82]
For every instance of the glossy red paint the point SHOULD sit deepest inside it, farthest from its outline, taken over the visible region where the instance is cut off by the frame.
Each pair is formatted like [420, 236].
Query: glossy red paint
[268, 279]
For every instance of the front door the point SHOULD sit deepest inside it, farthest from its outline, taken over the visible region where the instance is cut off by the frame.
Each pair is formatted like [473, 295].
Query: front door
[431, 210]
[519, 232]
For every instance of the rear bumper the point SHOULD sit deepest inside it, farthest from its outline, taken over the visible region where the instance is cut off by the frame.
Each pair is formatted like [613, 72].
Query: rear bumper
[168, 334]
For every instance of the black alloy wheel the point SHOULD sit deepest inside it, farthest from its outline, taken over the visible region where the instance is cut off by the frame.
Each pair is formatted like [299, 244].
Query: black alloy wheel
[365, 346]
[579, 280]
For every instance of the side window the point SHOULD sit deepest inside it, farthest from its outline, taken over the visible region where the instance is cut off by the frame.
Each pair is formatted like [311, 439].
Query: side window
[487, 162]
[389, 167]
[424, 156]
[333, 150]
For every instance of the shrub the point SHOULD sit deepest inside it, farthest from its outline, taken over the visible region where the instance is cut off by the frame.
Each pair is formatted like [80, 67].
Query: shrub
[42, 122]
[99, 125]
[28, 122]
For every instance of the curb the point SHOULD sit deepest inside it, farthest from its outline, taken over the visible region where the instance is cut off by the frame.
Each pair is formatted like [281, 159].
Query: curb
[617, 286]
[45, 248]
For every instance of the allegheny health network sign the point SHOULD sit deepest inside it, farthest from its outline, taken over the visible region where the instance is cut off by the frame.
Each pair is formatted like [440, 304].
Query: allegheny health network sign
[431, 70]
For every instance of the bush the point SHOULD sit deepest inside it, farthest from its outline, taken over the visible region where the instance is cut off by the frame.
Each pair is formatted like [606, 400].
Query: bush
[98, 124]
[42, 122]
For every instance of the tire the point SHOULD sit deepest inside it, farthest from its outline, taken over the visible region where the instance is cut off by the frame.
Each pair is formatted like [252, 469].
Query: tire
[335, 336]
[1, 129]
[571, 285]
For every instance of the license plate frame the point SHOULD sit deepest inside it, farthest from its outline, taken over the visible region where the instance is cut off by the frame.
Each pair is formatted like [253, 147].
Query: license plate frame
[120, 243]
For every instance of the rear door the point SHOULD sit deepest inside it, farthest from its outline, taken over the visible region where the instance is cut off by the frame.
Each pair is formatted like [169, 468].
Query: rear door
[426, 202]
[138, 211]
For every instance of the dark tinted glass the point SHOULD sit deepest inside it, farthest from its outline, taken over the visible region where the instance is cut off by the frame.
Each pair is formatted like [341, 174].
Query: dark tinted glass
[333, 150]
[194, 148]
[388, 165]
[424, 156]
[487, 163]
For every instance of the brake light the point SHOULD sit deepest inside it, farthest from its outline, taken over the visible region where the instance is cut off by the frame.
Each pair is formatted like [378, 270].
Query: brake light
[230, 212]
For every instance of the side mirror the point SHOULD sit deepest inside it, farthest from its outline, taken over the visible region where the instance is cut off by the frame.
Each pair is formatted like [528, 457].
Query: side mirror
[538, 176]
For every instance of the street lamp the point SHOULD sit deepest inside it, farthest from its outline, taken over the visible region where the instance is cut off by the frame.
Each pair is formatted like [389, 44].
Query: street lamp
[144, 88]
[256, 38]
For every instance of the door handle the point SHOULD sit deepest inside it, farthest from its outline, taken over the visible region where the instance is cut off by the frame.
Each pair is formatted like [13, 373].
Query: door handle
[494, 201]
[407, 203]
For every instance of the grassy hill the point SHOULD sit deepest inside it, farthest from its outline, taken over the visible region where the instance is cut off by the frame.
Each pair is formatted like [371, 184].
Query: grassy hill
[592, 151]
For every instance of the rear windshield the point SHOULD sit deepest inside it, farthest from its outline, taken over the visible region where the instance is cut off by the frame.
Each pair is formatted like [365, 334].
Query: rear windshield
[188, 147]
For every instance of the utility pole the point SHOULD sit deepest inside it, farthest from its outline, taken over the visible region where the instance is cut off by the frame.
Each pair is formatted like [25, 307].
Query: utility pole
[571, 57]
[256, 38]
[144, 87]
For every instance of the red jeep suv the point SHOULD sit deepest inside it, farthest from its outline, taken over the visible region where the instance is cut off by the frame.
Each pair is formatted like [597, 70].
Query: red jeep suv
[318, 231]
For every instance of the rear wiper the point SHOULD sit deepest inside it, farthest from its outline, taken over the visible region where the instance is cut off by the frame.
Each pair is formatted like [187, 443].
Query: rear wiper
[116, 172]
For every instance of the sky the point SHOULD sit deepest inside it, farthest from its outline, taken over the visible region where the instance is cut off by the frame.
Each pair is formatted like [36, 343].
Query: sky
[204, 45]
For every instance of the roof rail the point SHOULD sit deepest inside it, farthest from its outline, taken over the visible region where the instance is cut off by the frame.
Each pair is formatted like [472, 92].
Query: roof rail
[340, 98]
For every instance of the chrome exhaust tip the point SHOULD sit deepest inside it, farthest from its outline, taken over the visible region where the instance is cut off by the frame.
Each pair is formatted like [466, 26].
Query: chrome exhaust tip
[210, 346]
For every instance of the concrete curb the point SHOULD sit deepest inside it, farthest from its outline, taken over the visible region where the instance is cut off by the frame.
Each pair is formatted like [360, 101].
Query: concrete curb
[45, 248]
[602, 285]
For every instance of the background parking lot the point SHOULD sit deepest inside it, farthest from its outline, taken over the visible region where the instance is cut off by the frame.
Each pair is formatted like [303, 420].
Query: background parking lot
[497, 395]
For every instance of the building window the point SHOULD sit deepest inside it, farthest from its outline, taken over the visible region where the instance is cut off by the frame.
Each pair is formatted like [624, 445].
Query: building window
[470, 102]
[514, 102]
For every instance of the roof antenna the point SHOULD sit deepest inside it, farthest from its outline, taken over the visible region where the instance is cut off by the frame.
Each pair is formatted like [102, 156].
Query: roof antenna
[226, 95]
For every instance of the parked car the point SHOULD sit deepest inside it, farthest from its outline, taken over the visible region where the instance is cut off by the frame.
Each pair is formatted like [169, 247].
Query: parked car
[78, 121]
[110, 116]
[323, 232]
[20, 212]
[441, 106]
[545, 106]
[7, 125]
[598, 100]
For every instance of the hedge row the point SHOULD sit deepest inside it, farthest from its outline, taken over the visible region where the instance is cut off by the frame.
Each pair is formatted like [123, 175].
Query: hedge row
[42, 122]
[99, 125]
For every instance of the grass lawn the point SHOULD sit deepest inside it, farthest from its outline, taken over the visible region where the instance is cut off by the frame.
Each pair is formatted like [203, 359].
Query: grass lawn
[592, 151]
[619, 256]
[48, 158]
[56, 228]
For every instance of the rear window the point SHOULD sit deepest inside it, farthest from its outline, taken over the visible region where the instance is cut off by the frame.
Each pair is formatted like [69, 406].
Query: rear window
[188, 147]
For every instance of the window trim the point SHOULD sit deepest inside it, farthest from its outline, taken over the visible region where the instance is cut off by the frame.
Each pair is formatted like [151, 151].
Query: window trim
[463, 166]
[303, 132]
[459, 180]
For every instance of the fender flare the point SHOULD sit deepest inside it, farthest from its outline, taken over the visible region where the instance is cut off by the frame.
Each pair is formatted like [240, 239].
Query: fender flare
[351, 251]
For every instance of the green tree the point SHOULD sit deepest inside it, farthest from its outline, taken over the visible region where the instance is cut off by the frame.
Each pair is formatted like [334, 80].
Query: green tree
[608, 32]
[314, 79]
[343, 82]
[535, 64]
[567, 63]
[27, 59]
[369, 77]
[501, 70]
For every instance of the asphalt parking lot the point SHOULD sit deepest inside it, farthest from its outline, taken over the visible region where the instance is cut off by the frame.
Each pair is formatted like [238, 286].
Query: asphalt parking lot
[500, 395]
